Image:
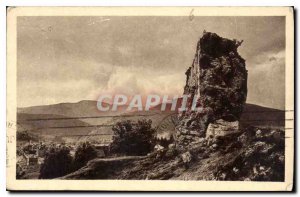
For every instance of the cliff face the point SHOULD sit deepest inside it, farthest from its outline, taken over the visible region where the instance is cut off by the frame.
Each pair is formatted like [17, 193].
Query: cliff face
[218, 77]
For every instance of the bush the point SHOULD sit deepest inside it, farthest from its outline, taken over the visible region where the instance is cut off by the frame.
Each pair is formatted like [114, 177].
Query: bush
[26, 136]
[84, 153]
[57, 163]
[133, 138]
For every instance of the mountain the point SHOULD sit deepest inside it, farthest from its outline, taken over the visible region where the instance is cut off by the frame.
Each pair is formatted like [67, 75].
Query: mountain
[50, 127]
[253, 114]
[256, 115]
[81, 108]
[60, 120]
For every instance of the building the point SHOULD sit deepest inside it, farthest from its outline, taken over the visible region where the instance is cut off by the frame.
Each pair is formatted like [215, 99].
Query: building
[31, 159]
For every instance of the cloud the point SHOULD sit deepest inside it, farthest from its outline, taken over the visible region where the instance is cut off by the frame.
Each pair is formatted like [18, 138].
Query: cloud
[131, 80]
[263, 59]
[137, 55]
[32, 93]
[266, 80]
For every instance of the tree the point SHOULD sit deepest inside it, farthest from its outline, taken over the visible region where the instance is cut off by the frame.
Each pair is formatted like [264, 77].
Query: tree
[133, 138]
[84, 153]
[57, 163]
[26, 136]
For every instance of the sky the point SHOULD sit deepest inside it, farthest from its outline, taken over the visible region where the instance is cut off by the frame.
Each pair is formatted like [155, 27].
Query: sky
[74, 58]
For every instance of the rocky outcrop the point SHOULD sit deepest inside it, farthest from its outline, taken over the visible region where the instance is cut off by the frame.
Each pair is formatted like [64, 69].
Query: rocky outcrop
[251, 155]
[218, 77]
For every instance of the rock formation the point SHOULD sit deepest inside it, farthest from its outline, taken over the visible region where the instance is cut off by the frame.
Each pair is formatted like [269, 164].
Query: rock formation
[251, 155]
[218, 77]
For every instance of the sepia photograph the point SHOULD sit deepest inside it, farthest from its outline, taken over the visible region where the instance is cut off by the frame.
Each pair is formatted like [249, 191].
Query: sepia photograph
[150, 99]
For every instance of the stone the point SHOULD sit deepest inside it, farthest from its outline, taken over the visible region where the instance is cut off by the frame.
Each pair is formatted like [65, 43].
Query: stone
[218, 77]
[171, 146]
[281, 159]
[222, 128]
[186, 157]
[235, 170]
[214, 146]
[171, 151]
[189, 137]
[223, 176]
[242, 138]
[258, 132]
[223, 76]
[181, 138]
[193, 132]
[158, 147]
[199, 140]
[184, 131]
[193, 125]
[261, 168]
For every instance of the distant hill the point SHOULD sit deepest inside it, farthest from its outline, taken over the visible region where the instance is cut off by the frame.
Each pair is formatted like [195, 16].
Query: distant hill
[36, 121]
[47, 126]
[48, 120]
[81, 108]
[263, 116]
[253, 114]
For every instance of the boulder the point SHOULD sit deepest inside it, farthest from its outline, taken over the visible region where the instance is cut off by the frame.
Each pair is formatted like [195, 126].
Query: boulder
[186, 157]
[222, 128]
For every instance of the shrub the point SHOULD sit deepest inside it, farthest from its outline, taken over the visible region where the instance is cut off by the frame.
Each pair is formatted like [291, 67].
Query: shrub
[133, 138]
[57, 163]
[84, 153]
[26, 136]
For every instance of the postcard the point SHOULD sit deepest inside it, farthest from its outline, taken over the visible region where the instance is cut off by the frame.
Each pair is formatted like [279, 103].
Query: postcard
[150, 98]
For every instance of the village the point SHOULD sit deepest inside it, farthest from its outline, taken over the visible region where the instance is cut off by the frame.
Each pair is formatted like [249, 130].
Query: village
[31, 155]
